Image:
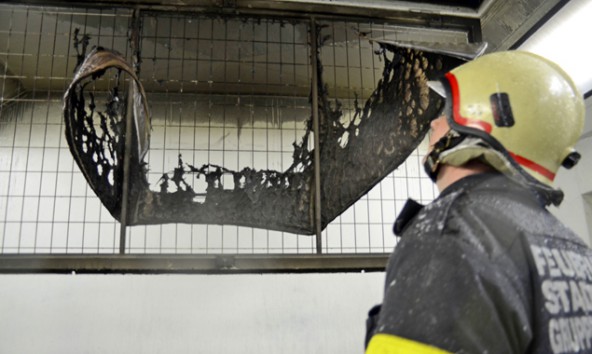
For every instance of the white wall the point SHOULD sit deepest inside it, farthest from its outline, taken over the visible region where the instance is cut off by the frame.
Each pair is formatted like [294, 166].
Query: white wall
[275, 313]
[577, 182]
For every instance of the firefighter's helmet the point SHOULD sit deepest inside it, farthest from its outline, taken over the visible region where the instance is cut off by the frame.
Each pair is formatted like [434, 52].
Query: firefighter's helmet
[516, 111]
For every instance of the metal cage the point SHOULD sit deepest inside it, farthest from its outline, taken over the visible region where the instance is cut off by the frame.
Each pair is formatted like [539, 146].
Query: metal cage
[228, 90]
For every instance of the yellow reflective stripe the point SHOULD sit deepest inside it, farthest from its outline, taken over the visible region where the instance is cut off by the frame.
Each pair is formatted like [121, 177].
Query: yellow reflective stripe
[389, 344]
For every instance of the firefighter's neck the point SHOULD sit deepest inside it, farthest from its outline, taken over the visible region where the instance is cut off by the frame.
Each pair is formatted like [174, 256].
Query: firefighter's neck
[449, 174]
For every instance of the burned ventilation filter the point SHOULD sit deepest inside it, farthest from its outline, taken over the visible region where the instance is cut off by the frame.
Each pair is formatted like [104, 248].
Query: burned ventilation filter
[386, 128]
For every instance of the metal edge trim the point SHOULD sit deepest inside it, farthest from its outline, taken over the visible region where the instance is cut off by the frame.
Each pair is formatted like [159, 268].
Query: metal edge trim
[191, 264]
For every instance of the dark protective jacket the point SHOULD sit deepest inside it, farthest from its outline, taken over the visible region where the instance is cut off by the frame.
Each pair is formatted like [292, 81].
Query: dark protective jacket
[485, 268]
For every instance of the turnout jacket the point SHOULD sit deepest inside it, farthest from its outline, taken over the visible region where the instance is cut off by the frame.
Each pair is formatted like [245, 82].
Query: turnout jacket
[485, 268]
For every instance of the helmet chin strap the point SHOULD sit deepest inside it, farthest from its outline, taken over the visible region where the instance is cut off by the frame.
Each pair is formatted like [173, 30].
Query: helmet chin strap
[431, 163]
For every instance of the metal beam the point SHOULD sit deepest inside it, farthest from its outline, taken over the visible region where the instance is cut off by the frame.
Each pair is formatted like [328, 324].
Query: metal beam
[507, 23]
[314, 60]
[403, 13]
[195, 264]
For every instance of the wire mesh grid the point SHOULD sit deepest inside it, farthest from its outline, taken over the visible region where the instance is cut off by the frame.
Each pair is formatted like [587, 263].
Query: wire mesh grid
[45, 205]
[232, 92]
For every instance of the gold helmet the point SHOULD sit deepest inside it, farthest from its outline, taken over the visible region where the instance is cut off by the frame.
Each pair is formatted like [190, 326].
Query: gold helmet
[514, 110]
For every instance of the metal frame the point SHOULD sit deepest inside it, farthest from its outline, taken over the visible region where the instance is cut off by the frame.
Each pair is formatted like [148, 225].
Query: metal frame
[135, 28]
[405, 13]
[202, 264]
[233, 264]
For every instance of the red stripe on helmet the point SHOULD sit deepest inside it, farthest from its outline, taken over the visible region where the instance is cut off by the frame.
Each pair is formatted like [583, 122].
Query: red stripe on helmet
[457, 117]
[533, 166]
[484, 126]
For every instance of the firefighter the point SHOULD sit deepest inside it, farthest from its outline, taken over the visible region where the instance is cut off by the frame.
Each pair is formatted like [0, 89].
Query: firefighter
[485, 268]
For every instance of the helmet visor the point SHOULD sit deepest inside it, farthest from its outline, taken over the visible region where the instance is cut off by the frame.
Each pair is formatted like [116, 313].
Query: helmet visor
[437, 87]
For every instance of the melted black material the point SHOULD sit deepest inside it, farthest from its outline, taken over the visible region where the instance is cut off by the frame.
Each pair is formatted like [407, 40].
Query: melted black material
[354, 157]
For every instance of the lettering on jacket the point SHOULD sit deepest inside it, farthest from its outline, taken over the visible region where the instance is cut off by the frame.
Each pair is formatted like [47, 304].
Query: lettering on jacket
[566, 285]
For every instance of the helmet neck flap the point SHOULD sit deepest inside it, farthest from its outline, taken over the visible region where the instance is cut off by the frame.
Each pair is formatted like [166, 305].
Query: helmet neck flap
[457, 149]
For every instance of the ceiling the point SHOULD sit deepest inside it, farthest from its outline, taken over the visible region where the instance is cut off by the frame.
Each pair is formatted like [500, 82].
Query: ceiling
[500, 23]
[447, 25]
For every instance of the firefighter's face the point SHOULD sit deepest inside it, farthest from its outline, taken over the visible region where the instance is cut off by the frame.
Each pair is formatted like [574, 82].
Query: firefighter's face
[439, 128]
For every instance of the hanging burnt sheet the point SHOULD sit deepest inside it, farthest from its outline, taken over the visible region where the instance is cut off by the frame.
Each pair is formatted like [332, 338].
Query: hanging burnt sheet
[355, 156]
[384, 130]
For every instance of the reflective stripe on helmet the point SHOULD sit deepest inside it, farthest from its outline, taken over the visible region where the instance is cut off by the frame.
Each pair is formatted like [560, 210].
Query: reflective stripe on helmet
[533, 166]
[458, 118]
[486, 127]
